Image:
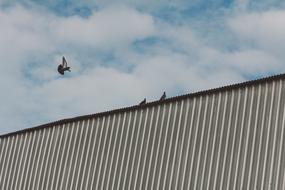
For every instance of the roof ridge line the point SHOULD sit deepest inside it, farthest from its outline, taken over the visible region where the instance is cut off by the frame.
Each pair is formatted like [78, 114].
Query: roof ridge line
[175, 98]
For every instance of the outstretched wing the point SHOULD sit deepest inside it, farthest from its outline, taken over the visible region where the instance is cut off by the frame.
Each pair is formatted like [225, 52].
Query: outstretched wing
[64, 62]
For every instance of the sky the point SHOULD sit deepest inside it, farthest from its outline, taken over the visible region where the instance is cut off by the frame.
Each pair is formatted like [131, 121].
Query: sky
[124, 51]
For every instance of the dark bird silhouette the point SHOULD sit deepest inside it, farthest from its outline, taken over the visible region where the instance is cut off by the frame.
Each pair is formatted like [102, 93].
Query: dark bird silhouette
[163, 96]
[63, 66]
[143, 102]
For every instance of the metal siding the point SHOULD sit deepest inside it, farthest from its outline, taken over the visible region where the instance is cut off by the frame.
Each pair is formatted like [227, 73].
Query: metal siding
[231, 139]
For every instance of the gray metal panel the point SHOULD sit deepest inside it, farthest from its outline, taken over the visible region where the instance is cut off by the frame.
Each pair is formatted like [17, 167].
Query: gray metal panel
[231, 139]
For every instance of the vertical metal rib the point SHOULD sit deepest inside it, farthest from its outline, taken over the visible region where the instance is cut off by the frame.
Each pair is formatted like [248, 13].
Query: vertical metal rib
[135, 152]
[39, 159]
[170, 143]
[28, 146]
[8, 161]
[71, 164]
[12, 161]
[43, 157]
[124, 153]
[201, 144]
[236, 176]
[52, 157]
[3, 149]
[254, 137]
[247, 131]
[172, 176]
[108, 149]
[271, 185]
[207, 142]
[145, 154]
[227, 138]
[220, 141]
[90, 125]
[116, 141]
[278, 181]
[67, 144]
[56, 156]
[17, 161]
[129, 152]
[267, 138]
[97, 152]
[103, 152]
[118, 156]
[92, 156]
[182, 144]
[31, 152]
[231, 171]
[35, 151]
[198, 120]
[157, 152]
[214, 141]
[83, 148]
[4, 161]
[188, 142]
[102, 159]
[163, 148]
[140, 149]
[261, 135]
[152, 147]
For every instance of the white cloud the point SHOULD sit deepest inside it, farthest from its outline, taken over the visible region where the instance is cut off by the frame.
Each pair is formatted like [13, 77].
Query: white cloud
[106, 28]
[254, 61]
[264, 30]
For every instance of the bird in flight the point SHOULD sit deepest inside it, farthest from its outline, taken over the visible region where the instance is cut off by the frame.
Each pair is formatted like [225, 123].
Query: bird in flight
[63, 66]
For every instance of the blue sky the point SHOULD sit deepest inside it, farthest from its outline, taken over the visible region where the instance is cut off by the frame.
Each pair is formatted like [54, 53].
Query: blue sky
[123, 51]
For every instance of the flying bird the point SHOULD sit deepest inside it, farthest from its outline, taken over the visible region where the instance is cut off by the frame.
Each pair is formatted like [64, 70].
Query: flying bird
[163, 96]
[63, 66]
[143, 102]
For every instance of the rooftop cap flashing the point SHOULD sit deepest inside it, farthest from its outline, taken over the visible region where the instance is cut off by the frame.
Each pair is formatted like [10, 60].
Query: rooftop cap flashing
[171, 99]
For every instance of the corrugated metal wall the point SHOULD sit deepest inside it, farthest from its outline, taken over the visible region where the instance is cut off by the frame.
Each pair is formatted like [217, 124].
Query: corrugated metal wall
[231, 139]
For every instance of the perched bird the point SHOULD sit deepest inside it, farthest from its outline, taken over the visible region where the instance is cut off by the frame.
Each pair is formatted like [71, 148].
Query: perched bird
[143, 102]
[163, 96]
[63, 66]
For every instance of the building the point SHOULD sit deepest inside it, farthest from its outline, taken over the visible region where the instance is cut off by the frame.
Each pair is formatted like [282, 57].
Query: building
[226, 138]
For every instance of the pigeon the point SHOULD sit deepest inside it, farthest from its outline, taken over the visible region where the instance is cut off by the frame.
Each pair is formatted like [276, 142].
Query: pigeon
[143, 102]
[63, 66]
[163, 96]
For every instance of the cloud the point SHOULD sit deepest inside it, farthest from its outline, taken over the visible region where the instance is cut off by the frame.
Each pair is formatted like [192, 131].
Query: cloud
[264, 30]
[105, 28]
[262, 34]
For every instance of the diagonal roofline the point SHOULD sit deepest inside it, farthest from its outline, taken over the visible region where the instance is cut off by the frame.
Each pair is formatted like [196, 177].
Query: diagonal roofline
[171, 99]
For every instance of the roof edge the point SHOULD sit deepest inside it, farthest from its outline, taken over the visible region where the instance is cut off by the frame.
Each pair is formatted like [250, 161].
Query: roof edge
[125, 109]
